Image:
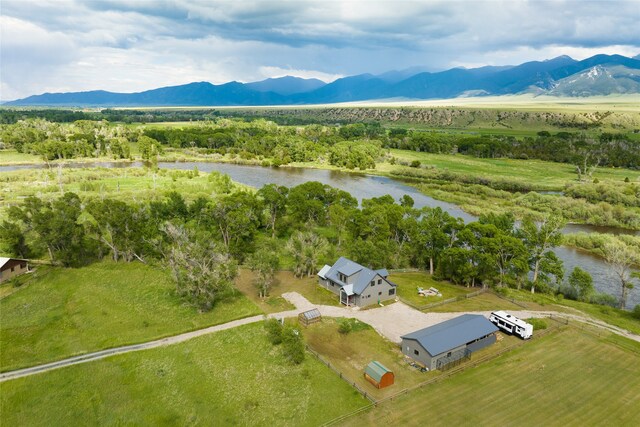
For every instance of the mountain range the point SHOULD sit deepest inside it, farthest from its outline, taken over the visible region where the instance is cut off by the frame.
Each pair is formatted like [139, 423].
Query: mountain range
[561, 76]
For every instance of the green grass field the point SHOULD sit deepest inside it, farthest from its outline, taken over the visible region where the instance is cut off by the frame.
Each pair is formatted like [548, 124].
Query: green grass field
[541, 174]
[233, 377]
[66, 312]
[566, 378]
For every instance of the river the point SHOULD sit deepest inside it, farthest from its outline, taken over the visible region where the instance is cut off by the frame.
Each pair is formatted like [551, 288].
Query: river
[364, 186]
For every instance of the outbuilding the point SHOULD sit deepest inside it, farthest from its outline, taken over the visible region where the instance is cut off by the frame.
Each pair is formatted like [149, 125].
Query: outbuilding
[378, 375]
[12, 267]
[439, 345]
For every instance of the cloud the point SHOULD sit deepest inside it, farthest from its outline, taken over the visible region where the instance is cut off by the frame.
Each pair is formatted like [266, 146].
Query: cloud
[61, 45]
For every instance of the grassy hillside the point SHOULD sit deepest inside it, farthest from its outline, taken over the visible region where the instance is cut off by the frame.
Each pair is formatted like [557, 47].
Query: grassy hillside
[66, 312]
[568, 378]
[233, 377]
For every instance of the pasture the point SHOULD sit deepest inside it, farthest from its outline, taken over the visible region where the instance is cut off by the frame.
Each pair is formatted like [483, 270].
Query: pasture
[569, 377]
[233, 377]
[62, 312]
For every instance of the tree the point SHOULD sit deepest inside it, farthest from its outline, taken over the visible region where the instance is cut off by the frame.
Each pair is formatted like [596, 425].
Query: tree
[306, 247]
[149, 148]
[620, 259]
[236, 216]
[436, 228]
[274, 198]
[202, 273]
[264, 262]
[582, 283]
[14, 240]
[540, 238]
[293, 344]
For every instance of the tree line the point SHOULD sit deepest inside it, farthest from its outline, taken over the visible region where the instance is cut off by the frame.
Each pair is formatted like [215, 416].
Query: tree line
[348, 145]
[202, 241]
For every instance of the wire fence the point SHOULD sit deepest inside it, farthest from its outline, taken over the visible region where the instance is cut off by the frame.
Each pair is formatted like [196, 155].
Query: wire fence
[342, 376]
[559, 322]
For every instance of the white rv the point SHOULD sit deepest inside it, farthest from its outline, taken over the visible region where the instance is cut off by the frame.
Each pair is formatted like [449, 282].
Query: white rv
[511, 324]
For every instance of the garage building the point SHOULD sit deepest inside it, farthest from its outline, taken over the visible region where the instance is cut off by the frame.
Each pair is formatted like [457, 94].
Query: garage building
[437, 346]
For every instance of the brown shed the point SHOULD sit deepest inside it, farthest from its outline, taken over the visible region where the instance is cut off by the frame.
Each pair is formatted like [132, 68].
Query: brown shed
[378, 375]
[12, 267]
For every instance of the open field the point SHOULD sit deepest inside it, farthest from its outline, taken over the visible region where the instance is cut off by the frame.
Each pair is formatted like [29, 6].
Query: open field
[233, 377]
[285, 281]
[537, 173]
[568, 377]
[65, 312]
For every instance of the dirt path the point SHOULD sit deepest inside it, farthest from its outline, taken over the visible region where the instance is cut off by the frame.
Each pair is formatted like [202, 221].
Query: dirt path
[391, 321]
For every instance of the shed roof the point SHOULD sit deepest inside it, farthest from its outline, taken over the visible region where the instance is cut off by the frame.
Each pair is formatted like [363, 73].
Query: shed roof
[311, 314]
[376, 370]
[452, 333]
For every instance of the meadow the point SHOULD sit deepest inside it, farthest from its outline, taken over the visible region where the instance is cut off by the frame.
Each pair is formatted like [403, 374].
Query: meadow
[58, 312]
[568, 377]
[233, 377]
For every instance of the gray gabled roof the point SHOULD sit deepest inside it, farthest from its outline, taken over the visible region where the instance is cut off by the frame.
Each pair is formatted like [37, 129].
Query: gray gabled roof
[452, 333]
[349, 268]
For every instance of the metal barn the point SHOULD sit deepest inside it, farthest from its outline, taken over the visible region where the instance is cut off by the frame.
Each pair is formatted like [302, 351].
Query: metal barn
[439, 346]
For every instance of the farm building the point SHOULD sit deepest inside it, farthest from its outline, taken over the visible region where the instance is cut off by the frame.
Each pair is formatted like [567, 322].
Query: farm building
[378, 375]
[356, 285]
[437, 346]
[12, 267]
[310, 316]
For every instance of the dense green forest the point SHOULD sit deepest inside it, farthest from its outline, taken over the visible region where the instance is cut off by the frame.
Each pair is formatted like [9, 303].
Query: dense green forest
[202, 240]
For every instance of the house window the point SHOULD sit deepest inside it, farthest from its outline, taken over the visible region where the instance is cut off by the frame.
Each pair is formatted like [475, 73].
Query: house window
[379, 281]
[12, 268]
[449, 354]
[373, 283]
[392, 291]
[379, 293]
[416, 352]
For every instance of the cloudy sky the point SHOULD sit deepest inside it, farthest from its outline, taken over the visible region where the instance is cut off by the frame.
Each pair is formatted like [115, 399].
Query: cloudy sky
[134, 45]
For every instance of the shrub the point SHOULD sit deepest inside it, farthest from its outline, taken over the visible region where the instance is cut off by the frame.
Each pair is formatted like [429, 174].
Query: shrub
[274, 331]
[636, 312]
[415, 164]
[292, 344]
[538, 324]
[345, 327]
[604, 299]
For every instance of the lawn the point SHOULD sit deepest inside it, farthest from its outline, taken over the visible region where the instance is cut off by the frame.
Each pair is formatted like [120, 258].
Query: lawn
[408, 284]
[566, 378]
[66, 312]
[233, 377]
[285, 281]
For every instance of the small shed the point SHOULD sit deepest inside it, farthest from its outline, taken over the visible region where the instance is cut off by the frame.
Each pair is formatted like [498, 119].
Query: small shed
[12, 267]
[309, 317]
[378, 375]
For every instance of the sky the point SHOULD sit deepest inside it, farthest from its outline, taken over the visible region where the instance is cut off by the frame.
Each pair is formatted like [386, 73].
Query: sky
[135, 45]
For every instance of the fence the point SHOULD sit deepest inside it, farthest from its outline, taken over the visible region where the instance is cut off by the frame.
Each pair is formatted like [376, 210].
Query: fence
[443, 302]
[448, 373]
[337, 371]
